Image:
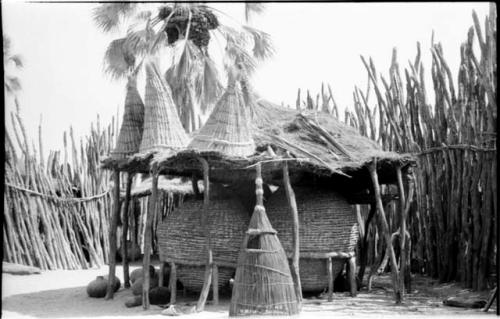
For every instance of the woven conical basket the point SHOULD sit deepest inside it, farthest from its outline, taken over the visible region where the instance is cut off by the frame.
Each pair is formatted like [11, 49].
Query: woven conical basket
[162, 127]
[131, 130]
[227, 130]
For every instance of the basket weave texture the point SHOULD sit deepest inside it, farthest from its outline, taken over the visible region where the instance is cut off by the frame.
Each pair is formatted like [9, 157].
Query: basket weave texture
[162, 126]
[181, 237]
[132, 127]
[227, 130]
[327, 223]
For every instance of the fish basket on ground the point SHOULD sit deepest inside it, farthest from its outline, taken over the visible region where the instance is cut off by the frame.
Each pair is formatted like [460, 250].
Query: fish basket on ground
[182, 240]
[327, 223]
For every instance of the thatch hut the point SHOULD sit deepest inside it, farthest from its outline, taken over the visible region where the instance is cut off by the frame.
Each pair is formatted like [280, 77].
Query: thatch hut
[295, 149]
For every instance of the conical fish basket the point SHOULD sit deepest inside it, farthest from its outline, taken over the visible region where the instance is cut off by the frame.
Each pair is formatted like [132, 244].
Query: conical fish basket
[263, 283]
[227, 130]
[130, 136]
[162, 127]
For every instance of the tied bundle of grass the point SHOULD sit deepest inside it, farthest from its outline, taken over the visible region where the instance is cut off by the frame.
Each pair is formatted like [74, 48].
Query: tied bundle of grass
[132, 127]
[162, 126]
[227, 130]
[263, 283]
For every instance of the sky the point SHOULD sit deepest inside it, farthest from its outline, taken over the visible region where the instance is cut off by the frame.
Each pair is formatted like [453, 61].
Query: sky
[63, 80]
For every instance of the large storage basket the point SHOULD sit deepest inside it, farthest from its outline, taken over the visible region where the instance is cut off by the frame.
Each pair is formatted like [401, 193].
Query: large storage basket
[181, 237]
[327, 223]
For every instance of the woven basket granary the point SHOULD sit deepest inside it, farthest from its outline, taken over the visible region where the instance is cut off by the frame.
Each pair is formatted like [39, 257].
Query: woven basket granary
[131, 130]
[181, 237]
[327, 223]
[162, 126]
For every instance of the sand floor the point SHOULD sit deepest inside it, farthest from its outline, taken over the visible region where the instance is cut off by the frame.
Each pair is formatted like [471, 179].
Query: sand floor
[62, 294]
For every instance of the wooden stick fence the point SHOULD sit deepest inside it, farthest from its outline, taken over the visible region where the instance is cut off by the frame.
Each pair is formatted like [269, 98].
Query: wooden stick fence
[452, 219]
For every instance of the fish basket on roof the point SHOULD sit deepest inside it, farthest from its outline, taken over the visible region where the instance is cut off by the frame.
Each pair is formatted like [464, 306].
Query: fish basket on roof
[327, 223]
[182, 240]
[131, 130]
[263, 283]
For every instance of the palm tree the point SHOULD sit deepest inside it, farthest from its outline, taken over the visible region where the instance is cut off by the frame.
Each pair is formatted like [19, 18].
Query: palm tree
[12, 84]
[187, 30]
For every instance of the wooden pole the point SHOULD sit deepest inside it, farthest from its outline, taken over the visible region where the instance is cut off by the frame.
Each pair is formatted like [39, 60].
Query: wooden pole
[126, 278]
[330, 278]
[295, 231]
[173, 283]
[215, 284]
[204, 220]
[148, 238]
[161, 275]
[112, 234]
[372, 167]
[351, 266]
[402, 229]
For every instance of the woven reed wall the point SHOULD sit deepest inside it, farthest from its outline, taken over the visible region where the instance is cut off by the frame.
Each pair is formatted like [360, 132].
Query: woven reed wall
[181, 238]
[327, 223]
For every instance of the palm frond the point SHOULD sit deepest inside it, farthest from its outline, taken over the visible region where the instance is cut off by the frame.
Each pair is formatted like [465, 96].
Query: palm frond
[253, 8]
[263, 47]
[208, 86]
[236, 55]
[185, 66]
[18, 60]
[108, 16]
[233, 35]
[12, 84]
[118, 61]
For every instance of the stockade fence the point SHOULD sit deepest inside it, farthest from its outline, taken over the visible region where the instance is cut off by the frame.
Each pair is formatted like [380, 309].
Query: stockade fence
[451, 222]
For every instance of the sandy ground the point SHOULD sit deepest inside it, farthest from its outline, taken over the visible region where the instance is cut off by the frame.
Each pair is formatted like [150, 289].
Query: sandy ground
[62, 294]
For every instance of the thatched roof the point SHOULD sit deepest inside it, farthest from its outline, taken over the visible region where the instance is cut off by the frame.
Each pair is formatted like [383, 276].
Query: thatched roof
[315, 143]
[168, 185]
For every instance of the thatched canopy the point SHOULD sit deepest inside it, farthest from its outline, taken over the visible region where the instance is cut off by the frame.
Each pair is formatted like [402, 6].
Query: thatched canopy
[318, 147]
[167, 185]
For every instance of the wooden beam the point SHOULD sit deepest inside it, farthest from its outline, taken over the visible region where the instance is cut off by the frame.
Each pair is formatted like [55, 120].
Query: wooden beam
[329, 271]
[126, 274]
[204, 221]
[112, 234]
[295, 232]
[402, 227]
[372, 167]
[161, 274]
[173, 283]
[148, 238]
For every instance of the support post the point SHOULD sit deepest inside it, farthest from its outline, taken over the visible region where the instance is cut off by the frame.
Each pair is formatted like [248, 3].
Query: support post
[204, 220]
[351, 266]
[215, 284]
[295, 231]
[173, 283]
[112, 234]
[147, 239]
[402, 229]
[329, 271]
[161, 275]
[372, 167]
[126, 274]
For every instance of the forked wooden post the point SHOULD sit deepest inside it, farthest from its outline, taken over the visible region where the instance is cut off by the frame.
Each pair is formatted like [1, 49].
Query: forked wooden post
[147, 239]
[204, 220]
[295, 231]
[402, 227]
[173, 283]
[126, 278]
[112, 234]
[372, 167]
[329, 271]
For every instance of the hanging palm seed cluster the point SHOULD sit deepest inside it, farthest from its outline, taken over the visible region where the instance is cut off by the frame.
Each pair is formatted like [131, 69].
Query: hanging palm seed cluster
[202, 21]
